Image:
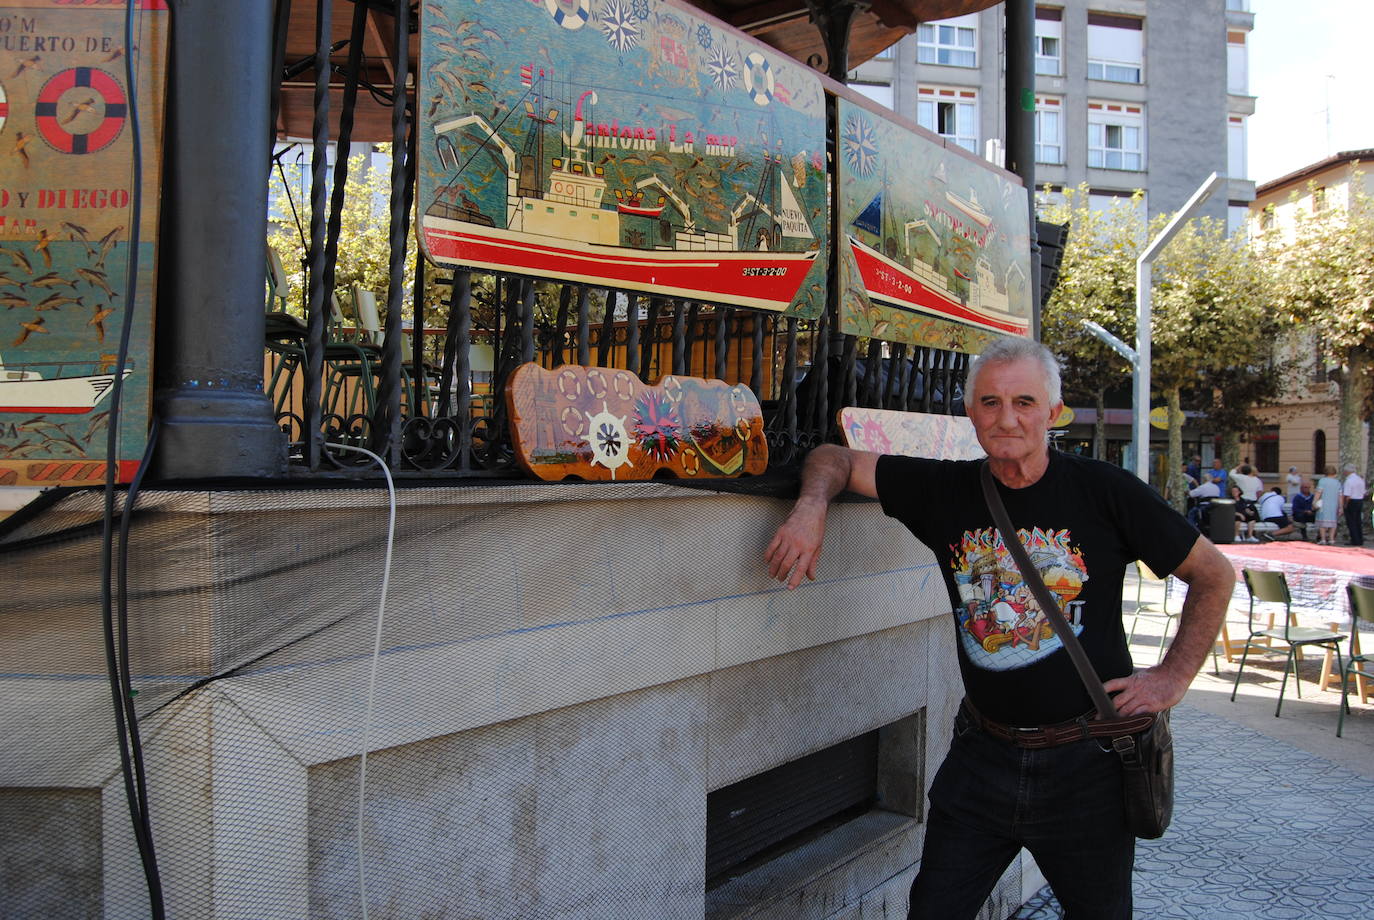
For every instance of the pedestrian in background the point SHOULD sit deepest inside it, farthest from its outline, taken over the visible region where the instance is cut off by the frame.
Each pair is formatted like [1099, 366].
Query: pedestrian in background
[1328, 503]
[1352, 503]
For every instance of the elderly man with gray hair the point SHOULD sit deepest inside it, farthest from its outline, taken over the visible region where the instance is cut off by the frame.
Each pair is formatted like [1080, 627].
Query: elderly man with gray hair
[1352, 503]
[1021, 771]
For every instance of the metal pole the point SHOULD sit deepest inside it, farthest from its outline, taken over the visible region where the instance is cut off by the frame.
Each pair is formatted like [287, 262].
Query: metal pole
[1144, 264]
[216, 419]
[1020, 102]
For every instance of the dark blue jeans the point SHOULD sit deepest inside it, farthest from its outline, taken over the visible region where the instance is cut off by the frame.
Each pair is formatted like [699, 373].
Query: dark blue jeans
[991, 798]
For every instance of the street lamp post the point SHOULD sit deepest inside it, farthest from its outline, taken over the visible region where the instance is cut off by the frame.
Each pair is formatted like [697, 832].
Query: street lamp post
[1140, 394]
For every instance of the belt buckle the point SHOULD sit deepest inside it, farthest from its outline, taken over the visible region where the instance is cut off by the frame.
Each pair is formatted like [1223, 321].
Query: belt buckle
[1027, 737]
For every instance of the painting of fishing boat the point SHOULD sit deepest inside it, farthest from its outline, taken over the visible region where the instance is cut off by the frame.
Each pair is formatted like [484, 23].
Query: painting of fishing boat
[948, 243]
[631, 145]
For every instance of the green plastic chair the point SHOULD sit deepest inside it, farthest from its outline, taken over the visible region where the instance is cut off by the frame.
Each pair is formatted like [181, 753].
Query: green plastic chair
[1272, 588]
[1359, 664]
[1150, 609]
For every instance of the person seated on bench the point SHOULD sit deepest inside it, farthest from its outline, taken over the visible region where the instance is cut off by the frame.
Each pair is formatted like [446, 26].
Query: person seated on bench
[1246, 516]
[1271, 512]
[1303, 512]
[1200, 497]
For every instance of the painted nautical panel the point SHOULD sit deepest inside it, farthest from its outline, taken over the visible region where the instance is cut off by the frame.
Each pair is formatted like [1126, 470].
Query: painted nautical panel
[633, 144]
[912, 434]
[600, 423]
[66, 212]
[934, 244]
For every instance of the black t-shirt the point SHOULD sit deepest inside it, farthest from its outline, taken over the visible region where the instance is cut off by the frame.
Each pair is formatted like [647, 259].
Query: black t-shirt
[1082, 523]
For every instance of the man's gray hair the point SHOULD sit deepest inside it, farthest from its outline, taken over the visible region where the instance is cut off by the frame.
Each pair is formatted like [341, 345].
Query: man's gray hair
[1015, 348]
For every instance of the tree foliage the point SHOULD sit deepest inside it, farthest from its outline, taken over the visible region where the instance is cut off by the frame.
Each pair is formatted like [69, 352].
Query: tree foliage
[1323, 280]
[1213, 331]
[364, 253]
[1096, 283]
[1211, 326]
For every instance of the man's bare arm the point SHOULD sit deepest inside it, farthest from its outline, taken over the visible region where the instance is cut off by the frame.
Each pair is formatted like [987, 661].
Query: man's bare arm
[828, 471]
[1210, 579]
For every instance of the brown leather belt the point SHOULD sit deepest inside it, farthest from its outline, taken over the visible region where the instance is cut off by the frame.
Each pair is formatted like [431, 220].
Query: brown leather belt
[1047, 736]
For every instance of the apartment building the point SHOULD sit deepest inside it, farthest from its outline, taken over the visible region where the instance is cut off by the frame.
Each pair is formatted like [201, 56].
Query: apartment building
[1149, 94]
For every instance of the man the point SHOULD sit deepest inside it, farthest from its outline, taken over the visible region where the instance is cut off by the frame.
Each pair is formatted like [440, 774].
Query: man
[1251, 486]
[1271, 512]
[1352, 503]
[1201, 497]
[1303, 511]
[1194, 470]
[996, 792]
[1216, 468]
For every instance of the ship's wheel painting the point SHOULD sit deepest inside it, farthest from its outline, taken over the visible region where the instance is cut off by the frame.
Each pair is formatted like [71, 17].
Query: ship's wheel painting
[629, 144]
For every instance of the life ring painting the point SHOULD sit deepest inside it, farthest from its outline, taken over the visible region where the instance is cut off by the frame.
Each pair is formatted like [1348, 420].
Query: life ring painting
[67, 205]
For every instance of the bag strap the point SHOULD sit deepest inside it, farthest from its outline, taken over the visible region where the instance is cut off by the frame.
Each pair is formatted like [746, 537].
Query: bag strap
[1047, 601]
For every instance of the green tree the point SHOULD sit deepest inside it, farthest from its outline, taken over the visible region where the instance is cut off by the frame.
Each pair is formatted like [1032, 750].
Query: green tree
[1096, 283]
[364, 253]
[1323, 270]
[1213, 328]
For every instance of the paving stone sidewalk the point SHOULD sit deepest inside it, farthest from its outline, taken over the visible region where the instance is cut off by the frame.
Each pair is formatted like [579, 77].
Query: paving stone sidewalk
[1262, 831]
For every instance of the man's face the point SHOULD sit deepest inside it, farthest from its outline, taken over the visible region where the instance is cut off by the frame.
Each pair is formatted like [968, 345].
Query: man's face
[1011, 410]
[1216, 463]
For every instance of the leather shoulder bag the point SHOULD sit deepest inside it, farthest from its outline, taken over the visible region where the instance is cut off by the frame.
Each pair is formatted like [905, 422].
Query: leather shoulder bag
[1147, 756]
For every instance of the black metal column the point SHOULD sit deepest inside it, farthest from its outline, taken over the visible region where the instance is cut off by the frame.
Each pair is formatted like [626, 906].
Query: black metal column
[216, 420]
[1021, 125]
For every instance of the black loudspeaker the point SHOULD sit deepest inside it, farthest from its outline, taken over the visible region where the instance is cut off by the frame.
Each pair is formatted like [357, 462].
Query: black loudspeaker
[1052, 239]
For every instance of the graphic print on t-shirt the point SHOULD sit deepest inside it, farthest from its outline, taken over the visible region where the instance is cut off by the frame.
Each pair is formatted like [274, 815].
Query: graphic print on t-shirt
[1001, 627]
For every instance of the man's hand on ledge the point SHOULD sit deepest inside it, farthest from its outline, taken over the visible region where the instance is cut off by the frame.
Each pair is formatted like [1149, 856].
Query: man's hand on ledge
[795, 548]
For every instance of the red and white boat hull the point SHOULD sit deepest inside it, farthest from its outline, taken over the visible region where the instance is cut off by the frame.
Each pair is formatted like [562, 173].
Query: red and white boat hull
[762, 280]
[893, 283]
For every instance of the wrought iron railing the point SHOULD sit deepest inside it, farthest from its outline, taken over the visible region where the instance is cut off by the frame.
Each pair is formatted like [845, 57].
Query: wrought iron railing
[429, 412]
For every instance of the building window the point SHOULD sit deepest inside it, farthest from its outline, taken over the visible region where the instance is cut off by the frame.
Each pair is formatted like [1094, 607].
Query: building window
[1267, 218]
[1115, 48]
[1105, 200]
[1049, 129]
[1266, 447]
[880, 93]
[952, 42]
[1116, 136]
[885, 54]
[1049, 41]
[1237, 217]
[1319, 199]
[950, 113]
[1318, 452]
[1237, 64]
[1236, 154]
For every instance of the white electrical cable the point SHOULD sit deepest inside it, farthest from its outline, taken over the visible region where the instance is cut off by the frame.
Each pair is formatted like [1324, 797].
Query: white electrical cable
[376, 658]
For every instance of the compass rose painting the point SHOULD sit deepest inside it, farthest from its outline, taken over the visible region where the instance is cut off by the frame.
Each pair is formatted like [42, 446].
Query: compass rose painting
[67, 133]
[630, 144]
[933, 242]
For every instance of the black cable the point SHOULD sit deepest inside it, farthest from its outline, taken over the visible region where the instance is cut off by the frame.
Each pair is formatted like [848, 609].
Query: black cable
[122, 583]
[126, 720]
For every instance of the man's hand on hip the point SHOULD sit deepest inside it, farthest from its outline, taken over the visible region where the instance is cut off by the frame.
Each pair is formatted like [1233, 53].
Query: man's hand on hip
[1150, 690]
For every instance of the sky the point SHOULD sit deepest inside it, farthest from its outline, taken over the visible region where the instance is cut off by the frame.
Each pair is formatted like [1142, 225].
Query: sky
[1300, 64]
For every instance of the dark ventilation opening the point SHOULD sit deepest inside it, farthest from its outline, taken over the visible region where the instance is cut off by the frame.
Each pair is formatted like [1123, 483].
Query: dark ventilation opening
[758, 818]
